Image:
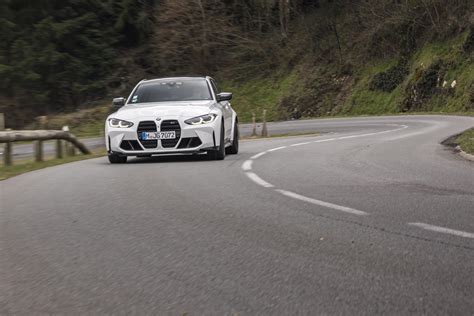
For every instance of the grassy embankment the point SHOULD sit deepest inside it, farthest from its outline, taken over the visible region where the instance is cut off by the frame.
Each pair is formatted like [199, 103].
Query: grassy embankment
[27, 165]
[321, 90]
[458, 66]
[466, 141]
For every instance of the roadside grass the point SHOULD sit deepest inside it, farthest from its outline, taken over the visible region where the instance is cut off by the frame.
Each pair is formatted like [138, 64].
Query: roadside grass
[364, 101]
[258, 94]
[457, 65]
[27, 165]
[296, 134]
[82, 123]
[466, 141]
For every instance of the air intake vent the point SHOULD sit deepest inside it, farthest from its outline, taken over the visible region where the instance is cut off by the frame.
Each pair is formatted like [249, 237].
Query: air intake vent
[130, 145]
[190, 142]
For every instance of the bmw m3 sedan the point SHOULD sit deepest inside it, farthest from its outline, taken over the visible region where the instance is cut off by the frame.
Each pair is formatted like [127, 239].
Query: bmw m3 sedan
[184, 115]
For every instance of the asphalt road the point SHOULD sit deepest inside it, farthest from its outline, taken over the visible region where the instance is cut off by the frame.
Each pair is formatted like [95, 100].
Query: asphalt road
[373, 217]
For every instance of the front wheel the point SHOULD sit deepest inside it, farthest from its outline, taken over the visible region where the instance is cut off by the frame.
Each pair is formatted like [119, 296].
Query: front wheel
[114, 158]
[234, 147]
[218, 154]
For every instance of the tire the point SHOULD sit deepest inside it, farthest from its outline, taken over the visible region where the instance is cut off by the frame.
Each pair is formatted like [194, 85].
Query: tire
[234, 148]
[218, 154]
[114, 158]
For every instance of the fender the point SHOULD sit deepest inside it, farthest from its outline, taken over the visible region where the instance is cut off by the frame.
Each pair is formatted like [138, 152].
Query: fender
[235, 119]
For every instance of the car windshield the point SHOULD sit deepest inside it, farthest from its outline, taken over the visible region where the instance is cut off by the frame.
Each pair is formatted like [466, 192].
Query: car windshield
[172, 90]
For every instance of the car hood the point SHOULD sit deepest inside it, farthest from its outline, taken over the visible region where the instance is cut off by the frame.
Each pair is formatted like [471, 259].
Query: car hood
[164, 109]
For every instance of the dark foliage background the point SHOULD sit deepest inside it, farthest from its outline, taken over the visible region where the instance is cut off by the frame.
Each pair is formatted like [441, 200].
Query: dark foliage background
[61, 55]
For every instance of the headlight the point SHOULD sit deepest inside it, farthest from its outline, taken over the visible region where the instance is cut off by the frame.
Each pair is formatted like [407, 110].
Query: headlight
[116, 123]
[203, 119]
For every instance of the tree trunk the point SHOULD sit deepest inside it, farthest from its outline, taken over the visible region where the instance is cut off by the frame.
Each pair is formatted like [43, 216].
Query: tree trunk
[284, 9]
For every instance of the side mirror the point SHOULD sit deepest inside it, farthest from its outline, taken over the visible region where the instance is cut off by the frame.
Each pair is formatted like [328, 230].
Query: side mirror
[118, 102]
[224, 96]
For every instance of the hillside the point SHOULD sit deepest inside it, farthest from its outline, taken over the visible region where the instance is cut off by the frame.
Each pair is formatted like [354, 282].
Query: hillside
[295, 58]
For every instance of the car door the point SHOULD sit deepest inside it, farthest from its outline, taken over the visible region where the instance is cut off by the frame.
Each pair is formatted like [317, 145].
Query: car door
[226, 110]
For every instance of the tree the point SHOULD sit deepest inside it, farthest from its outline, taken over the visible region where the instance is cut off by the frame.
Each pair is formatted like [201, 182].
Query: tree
[194, 35]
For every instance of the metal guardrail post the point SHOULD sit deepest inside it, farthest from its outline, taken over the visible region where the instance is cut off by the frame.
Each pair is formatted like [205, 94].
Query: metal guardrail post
[41, 123]
[72, 150]
[7, 154]
[264, 127]
[59, 149]
[67, 150]
[7, 149]
[254, 123]
[38, 151]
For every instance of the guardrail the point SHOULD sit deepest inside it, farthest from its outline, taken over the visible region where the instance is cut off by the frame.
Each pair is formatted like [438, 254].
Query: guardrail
[38, 136]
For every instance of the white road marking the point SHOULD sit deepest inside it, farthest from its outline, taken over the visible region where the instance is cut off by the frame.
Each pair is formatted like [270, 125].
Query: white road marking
[275, 149]
[247, 165]
[443, 230]
[324, 140]
[252, 176]
[322, 203]
[258, 155]
[300, 144]
[352, 136]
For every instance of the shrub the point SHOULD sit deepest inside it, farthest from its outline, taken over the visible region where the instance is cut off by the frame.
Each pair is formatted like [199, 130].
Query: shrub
[388, 80]
[468, 45]
[423, 86]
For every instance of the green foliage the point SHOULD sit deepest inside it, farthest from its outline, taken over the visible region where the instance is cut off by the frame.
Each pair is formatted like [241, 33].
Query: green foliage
[57, 54]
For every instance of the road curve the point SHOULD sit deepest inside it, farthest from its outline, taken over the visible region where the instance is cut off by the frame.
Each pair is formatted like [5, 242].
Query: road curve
[374, 216]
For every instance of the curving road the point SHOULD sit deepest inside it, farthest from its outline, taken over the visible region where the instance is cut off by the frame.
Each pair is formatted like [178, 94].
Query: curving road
[374, 216]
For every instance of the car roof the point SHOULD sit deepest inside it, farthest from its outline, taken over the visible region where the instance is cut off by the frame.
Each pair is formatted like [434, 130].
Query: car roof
[175, 78]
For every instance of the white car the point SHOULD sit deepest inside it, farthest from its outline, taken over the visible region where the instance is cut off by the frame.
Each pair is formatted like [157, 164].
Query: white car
[185, 115]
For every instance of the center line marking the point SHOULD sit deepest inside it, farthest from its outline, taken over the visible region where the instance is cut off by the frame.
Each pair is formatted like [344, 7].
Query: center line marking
[324, 140]
[275, 149]
[259, 180]
[300, 144]
[258, 155]
[443, 230]
[247, 165]
[322, 203]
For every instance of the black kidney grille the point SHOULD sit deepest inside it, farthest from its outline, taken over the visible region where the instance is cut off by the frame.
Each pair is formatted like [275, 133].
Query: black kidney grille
[167, 126]
[147, 126]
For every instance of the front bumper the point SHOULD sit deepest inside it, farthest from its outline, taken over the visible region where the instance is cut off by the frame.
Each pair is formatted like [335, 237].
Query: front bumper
[192, 138]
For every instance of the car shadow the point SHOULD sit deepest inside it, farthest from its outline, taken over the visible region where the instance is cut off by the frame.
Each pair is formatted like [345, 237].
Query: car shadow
[168, 159]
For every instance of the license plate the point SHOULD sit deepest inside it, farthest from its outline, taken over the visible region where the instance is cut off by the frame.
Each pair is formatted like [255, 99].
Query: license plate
[158, 135]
